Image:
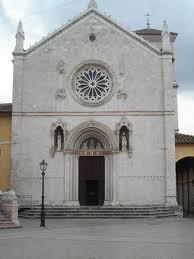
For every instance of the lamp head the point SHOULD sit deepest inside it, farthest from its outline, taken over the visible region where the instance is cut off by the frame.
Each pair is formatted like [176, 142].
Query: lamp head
[43, 166]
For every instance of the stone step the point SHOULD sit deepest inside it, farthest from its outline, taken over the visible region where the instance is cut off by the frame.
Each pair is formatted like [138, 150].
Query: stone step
[4, 223]
[100, 208]
[9, 226]
[104, 216]
[96, 212]
[99, 212]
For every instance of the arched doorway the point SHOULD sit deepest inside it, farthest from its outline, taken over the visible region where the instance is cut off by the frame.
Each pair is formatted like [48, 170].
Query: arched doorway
[92, 148]
[185, 184]
[91, 173]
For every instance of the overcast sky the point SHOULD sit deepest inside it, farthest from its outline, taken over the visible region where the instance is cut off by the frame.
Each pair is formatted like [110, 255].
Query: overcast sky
[41, 17]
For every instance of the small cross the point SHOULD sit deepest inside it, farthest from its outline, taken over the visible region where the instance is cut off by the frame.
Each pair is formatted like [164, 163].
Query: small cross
[148, 20]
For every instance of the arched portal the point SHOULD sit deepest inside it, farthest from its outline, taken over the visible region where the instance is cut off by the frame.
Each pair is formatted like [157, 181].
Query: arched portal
[185, 184]
[91, 173]
[92, 158]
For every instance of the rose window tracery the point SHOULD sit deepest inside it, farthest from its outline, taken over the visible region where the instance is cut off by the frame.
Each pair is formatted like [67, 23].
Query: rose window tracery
[92, 85]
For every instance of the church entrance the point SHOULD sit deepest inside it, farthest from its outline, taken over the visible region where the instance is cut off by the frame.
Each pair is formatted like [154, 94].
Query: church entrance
[91, 180]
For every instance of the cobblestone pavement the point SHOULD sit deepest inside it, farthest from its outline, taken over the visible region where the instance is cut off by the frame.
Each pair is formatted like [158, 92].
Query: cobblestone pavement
[100, 239]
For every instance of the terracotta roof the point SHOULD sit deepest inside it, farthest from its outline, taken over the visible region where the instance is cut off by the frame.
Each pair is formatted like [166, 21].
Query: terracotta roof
[5, 107]
[147, 32]
[184, 139]
[151, 32]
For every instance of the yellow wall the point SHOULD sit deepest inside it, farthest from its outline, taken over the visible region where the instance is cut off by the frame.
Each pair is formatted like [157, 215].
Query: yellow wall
[184, 150]
[5, 151]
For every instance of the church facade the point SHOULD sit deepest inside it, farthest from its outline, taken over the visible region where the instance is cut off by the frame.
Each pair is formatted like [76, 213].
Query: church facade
[98, 103]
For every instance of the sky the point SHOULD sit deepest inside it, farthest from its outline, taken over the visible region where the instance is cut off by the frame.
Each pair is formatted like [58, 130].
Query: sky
[41, 17]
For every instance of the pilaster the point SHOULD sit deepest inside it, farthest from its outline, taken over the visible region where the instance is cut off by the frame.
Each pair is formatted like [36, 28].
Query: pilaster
[169, 134]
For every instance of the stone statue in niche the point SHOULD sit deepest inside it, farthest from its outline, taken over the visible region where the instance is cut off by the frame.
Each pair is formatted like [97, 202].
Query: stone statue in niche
[124, 141]
[59, 141]
[91, 144]
[85, 145]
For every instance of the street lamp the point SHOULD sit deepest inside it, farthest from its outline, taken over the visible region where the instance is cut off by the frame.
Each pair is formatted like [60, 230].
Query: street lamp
[43, 167]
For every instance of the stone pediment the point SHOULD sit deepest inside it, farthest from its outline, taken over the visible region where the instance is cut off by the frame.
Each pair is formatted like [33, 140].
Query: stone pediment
[101, 17]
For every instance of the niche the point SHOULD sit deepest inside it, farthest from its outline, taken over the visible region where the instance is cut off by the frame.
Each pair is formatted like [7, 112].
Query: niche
[124, 138]
[59, 139]
[58, 133]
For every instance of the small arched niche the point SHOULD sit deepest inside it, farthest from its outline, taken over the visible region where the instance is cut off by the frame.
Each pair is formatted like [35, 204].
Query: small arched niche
[124, 136]
[59, 139]
[58, 133]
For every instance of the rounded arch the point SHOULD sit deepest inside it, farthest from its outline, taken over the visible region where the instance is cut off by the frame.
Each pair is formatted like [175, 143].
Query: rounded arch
[92, 129]
[185, 184]
[184, 151]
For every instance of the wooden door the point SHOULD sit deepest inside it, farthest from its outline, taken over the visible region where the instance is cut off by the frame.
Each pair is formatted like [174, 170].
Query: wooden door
[91, 181]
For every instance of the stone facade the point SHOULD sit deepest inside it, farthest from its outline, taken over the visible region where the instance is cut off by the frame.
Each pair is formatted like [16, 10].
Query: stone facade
[140, 101]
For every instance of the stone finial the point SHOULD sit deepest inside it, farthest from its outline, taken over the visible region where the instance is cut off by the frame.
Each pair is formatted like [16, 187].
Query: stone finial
[20, 37]
[20, 31]
[92, 4]
[166, 42]
[165, 26]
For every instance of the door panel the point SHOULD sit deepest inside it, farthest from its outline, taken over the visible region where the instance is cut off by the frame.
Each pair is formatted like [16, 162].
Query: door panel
[91, 181]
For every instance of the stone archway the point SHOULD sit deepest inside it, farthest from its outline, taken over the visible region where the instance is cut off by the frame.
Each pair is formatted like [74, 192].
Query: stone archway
[185, 184]
[75, 149]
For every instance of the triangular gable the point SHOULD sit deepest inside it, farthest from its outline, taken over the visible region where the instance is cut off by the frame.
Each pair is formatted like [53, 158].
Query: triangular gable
[103, 17]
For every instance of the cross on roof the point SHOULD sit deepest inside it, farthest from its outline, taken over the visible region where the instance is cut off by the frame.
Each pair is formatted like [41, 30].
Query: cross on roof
[148, 20]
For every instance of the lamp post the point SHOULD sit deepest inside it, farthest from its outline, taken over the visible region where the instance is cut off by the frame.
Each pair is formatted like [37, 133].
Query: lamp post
[43, 167]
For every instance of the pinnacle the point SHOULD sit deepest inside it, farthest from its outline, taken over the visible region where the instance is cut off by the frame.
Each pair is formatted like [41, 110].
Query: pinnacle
[20, 31]
[92, 4]
[165, 26]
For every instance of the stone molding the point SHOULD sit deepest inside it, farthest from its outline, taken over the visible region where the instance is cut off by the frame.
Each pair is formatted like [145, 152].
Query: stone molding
[122, 94]
[60, 94]
[91, 129]
[61, 67]
[97, 113]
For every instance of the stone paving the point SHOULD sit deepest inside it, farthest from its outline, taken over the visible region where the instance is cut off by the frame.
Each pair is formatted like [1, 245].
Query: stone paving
[100, 239]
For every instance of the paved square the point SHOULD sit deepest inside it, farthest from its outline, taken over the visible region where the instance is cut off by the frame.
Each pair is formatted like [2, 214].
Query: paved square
[100, 239]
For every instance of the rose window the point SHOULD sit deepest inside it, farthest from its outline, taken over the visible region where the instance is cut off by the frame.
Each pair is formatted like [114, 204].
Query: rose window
[92, 85]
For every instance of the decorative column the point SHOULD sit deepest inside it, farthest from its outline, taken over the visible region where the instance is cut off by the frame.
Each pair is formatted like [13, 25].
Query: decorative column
[71, 180]
[66, 178]
[75, 181]
[108, 180]
[115, 200]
